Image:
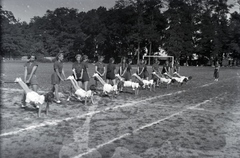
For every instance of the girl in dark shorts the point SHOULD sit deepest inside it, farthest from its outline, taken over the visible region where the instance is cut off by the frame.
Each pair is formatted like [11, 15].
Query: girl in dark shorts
[100, 68]
[155, 68]
[85, 74]
[111, 68]
[142, 70]
[128, 73]
[216, 71]
[77, 69]
[176, 67]
[30, 77]
[166, 68]
[123, 67]
[58, 75]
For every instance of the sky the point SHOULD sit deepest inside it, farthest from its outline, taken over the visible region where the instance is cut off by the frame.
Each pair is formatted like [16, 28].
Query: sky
[24, 10]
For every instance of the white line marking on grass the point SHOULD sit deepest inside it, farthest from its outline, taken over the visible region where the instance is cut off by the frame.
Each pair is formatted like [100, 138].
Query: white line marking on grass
[55, 122]
[81, 138]
[141, 128]
[206, 85]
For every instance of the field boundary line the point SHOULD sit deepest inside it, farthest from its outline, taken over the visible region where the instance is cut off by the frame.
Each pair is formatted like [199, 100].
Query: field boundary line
[55, 122]
[143, 127]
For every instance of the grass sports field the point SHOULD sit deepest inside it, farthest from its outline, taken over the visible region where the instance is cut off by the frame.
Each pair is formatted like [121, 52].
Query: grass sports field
[199, 119]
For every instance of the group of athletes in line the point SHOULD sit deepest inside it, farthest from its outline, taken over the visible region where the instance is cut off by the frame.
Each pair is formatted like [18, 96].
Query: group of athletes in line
[81, 73]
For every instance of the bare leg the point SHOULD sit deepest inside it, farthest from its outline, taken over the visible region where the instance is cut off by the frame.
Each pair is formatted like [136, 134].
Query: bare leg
[114, 82]
[74, 85]
[23, 99]
[85, 101]
[96, 83]
[79, 84]
[35, 87]
[56, 86]
[47, 108]
[39, 111]
[24, 86]
[92, 99]
[86, 85]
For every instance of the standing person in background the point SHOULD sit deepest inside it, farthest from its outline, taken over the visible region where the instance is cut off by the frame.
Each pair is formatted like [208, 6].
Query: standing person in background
[216, 71]
[142, 70]
[77, 69]
[123, 67]
[111, 70]
[166, 68]
[176, 66]
[84, 73]
[128, 74]
[100, 69]
[156, 69]
[58, 75]
[30, 77]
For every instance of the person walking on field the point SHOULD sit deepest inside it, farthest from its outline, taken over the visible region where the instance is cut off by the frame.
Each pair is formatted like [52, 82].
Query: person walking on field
[216, 71]
[77, 69]
[58, 75]
[30, 77]
[111, 71]
[100, 69]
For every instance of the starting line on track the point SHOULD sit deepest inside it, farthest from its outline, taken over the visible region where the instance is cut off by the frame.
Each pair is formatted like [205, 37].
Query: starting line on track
[55, 122]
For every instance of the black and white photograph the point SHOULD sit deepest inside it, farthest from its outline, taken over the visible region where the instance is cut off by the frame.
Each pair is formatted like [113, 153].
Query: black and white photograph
[120, 79]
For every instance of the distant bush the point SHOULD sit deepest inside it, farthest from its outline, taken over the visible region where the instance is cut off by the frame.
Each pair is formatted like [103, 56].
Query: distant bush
[44, 60]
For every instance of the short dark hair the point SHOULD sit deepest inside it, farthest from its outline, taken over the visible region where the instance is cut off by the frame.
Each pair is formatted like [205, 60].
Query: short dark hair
[85, 57]
[58, 54]
[129, 60]
[123, 58]
[111, 60]
[29, 56]
[78, 55]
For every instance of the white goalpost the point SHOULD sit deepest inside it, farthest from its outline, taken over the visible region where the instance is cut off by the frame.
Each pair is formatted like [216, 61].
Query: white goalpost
[160, 57]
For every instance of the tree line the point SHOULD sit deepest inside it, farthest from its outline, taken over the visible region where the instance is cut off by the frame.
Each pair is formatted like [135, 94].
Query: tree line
[183, 28]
